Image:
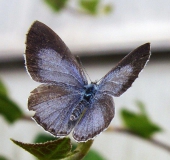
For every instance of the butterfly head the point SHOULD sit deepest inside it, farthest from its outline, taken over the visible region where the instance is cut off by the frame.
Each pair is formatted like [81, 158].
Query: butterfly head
[89, 91]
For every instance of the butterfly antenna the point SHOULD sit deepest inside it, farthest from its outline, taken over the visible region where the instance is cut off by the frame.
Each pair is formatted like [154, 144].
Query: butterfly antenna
[79, 61]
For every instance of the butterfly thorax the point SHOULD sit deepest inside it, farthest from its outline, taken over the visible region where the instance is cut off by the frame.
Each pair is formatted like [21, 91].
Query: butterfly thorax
[88, 94]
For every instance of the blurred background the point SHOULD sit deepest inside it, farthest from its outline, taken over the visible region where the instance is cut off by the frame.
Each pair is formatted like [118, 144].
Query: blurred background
[101, 38]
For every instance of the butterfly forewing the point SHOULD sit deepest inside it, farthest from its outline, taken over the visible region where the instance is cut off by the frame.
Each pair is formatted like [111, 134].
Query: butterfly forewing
[53, 106]
[120, 78]
[97, 118]
[49, 60]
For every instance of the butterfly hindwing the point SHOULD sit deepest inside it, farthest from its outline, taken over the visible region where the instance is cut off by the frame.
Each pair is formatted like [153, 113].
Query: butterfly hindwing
[120, 78]
[96, 118]
[53, 106]
[49, 60]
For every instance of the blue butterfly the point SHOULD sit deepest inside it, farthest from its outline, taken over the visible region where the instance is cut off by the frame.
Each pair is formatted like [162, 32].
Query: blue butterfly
[65, 101]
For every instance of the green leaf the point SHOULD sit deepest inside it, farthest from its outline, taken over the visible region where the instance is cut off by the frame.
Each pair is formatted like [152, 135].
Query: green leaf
[107, 9]
[51, 150]
[41, 138]
[90, 6]
[92, 154]
[3, 90]
[139, 123]
[56, 5]
[3, 158]
[58, 149]
[9, 110]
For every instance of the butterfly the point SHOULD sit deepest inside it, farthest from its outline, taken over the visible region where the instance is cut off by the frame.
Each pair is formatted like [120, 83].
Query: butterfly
[65, 101]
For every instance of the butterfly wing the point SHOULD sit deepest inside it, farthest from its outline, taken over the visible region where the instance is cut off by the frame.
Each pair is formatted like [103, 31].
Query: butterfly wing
[48, 59]
[101, 111]
[120, 78]
[53, 106]
[96, 118]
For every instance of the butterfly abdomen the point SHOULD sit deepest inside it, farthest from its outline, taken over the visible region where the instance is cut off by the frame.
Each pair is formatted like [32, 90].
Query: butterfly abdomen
[88, 95]
[77, 111]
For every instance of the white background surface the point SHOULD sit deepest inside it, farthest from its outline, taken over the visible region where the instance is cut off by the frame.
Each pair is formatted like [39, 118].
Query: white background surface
[132, 23]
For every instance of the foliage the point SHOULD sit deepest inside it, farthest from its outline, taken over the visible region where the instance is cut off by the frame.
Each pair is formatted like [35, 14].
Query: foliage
[56, 149]
[92, 154]
[51, 150]
[3, 158]
[139, 123]
[8, 109]
[56, 5]
[91, 7]
[3, 89]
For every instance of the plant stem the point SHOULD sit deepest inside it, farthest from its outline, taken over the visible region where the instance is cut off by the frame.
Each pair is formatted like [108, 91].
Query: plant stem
[26, 118]
[81, 150]
[150, 140]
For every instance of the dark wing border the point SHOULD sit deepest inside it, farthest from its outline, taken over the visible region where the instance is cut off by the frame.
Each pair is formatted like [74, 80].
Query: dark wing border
[121, 77]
